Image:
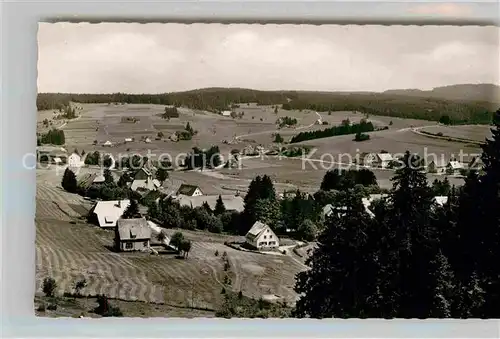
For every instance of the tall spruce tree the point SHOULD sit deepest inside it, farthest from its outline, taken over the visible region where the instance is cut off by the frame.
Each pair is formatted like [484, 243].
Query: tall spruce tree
[132, 211]
[69, 182]
[488, 228]
[219, 206]
[340, 282]
[415, 239]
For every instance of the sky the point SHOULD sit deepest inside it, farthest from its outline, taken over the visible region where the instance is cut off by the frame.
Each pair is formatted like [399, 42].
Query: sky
[159, 58]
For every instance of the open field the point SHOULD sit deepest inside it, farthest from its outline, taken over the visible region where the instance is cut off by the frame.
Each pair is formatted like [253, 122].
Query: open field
[471, 132]
[68, 249]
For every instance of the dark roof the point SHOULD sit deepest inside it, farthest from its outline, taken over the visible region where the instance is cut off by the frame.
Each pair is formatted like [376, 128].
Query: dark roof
[187, 189]
[133, 229]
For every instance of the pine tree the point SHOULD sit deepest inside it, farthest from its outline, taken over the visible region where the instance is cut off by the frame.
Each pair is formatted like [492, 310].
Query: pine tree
[124, 180]
[414, 239]
[161, 174]
[219, 206]
[108, 177]
[207, 207]
[488, 229]
[444, 288]
[69, 182]
[340, 281]
[331, 180]
[132, 210]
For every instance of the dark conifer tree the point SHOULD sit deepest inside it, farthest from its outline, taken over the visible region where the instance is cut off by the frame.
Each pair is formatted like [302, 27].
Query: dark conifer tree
[69, 182]
[219, 206]
[340, 282]
[132, 210]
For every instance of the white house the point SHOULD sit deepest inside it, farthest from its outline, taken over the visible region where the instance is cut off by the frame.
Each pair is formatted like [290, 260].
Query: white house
[107, 213]
[128, 140]
[261, 236]
[108, 143]
[454, 167]
[189, 190]
[382, 160]
[74, 160]
[437, 166]
[226, 113]
[147, 140]
[144, 179]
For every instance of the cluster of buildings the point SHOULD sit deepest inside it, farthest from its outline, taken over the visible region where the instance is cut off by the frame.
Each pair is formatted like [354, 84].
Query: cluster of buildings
[436, 166]
[58, 156]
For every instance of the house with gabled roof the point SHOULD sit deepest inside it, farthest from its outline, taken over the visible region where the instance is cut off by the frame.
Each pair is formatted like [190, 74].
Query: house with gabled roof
[143, 180]
[132, 234]
[383, 160]
[261, 236]
[74, 160]
[189, 190]
[454, 167]
[437, 166]
[107, 213]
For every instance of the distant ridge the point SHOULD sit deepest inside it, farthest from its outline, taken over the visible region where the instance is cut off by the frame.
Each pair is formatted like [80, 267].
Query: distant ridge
[467, 92]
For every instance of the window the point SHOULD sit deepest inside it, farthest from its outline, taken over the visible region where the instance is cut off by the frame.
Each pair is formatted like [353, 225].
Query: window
[145, 244]
[128, 245]
[270, 237]
[108, 220]
[271, 243]
[265, 236]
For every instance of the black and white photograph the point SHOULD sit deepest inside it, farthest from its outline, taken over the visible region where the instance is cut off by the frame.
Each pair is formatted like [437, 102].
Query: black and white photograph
[267, 171]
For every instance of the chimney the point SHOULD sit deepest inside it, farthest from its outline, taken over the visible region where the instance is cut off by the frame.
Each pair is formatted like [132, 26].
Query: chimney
[119, 203]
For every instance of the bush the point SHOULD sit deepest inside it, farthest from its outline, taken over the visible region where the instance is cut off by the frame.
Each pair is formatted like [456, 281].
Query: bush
[216, 253]
[49, 286]
[52, 307]
[41, 307]
[361, 137]
[105, 309]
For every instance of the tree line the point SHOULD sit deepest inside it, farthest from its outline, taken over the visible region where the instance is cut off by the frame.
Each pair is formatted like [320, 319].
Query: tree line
[218, 99]
[52, 137]
[343, 129]
[413, 258]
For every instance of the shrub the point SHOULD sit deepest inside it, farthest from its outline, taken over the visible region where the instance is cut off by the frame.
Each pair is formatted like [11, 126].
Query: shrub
[49, 286]
[52, 307]
[105, 309]
[41, 307]
[216, 253]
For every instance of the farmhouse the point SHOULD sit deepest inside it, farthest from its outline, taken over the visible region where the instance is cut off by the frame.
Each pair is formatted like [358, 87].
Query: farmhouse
[129, 139]
[147, 140]
[143, 179]
[454, 167]
[74, 160]
[189, 190]
[382, 160]
[108, 143]
[226, 113]
[132, 234]
[231, 202]
[437, 166]
[366, 159]
[106, 213]
[261, 236]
